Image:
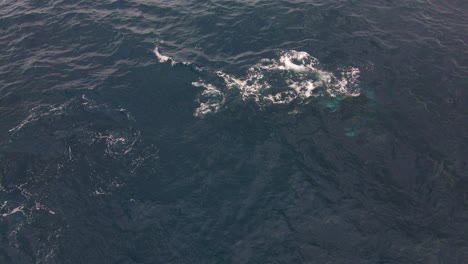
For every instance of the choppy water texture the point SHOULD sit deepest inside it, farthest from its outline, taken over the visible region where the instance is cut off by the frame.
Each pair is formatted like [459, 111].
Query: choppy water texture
[149, 131]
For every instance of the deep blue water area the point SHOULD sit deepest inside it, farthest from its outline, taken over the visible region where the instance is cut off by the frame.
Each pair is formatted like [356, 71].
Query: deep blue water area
[228, 131]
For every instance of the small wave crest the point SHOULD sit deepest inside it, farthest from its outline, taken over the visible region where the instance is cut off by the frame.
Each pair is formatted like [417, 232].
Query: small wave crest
[164, 58]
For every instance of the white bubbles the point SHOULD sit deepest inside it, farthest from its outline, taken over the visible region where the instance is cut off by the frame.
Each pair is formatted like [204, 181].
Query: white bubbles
[290, 77]
[210, 100]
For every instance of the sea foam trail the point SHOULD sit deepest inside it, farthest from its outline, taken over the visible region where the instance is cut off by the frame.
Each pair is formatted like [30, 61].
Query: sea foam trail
[290, 77]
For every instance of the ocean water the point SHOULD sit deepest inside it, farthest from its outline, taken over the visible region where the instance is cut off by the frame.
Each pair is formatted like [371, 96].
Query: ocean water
[228, 131]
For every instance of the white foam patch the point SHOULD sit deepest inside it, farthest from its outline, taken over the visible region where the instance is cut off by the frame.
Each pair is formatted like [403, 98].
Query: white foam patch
[292, 76]
[210, 100]
[116, 144]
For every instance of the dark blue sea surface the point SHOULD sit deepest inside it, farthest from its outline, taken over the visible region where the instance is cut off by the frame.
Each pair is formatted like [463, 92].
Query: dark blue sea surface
[221, 131]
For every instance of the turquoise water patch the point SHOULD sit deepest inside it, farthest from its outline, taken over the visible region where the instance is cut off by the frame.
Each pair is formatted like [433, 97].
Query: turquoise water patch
[333, 103]
[351, 132]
